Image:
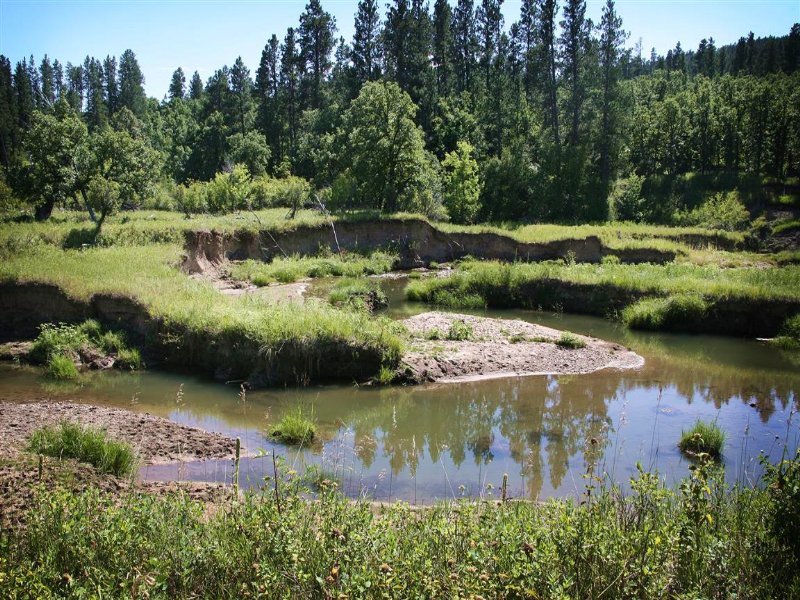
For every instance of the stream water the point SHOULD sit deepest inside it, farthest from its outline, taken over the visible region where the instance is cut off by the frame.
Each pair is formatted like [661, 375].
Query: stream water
[447, 440]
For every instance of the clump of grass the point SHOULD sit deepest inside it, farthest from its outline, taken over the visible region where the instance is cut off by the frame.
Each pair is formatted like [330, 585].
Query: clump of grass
[57, 340]
[61, 368]
[385, 376]
[129, 358]
[296, 428]
[84, 444]
[459, 331]
[570, 340]
[361, 294]
[682, 312]
[433, 334]
[702, 438]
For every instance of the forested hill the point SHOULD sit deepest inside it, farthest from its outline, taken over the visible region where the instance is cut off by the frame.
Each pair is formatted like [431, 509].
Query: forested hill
[442, 109]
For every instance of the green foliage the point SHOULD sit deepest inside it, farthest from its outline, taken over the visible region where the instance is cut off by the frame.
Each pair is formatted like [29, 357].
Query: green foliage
[386, 150]
[84, 444]
[459, 331]
[570, 340]
[789, 338]
[385, 376]
[721, 211]
[58, 340]
[703, 438]
[460, 184]
[683, 312]
[696, 542]
[229, 191]
[626, 202]
[296, 428]
[61, 367]
[782, 481]
[290, 192]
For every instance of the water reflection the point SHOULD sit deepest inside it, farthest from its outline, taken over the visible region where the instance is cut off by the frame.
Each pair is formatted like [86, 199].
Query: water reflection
[444, 440]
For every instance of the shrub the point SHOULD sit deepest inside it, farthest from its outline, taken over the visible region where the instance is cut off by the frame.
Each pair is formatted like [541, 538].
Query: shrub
[84, 444]
[360, 294]
[721, 211]
[62, 368]
[626, 202]
[783, 483]
[459, 331]
[682, 312]
[129, 358]
[570, 340]
[57, 339]
[295, 428]
[789, 339]
[702, 438]
[460, 184]
[287, 192]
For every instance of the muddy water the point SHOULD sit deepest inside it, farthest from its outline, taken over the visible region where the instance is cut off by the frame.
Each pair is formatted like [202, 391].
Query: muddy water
[442, 441]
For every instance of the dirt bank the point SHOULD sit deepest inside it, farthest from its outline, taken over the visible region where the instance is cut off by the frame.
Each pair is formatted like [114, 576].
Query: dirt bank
[417, 242]
[500, 348]
[156, 440]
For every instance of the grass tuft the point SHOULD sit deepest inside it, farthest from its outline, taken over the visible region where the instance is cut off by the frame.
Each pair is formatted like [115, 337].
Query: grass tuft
[703, 438]
[571, 341]
[84, 444]
[295, 428]
[61, 368]
[674, 313]
[459, 331]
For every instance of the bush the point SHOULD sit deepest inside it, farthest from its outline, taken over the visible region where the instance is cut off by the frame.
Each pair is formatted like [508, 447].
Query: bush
[229, 192]
[684, 312]
[703, 438]
[84, 444]
[626, 202]
[295, 428]
[789, 339]
[288, 192]
[721, 211]
[57, 340]
[360, 294]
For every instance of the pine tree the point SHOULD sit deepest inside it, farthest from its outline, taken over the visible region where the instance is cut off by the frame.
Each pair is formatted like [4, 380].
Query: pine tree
[58, 79]
[24, 102]
[490, 26]
[242, 89]
[111, 83]
[366, 52]
[48, 98]
[443, 47]
[464, 44]
[290, 76]
[196, 87]
[527, 37]
[396, 38]
[316, 38]
[8, 119]
[611, 39]
[547, 10]
[131, 84]
[177, 86]
[575, 45]
[96, 110]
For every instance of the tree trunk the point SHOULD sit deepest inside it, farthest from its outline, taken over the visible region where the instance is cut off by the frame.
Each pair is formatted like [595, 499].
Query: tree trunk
[43, 211]
[92, 216]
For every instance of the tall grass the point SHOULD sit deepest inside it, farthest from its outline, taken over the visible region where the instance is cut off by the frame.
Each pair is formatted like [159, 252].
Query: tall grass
[702, 540]
[84, 444]
[296, 427]
[680, 313]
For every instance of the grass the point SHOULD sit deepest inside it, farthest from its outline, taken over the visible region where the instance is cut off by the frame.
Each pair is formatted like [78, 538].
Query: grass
[789, 339]
[200, 328]
[295, 427]
[674, 313]
[604, 289]
[291, 269]
[84, 444]
[697, 541]
[361, 294]
[570, 340]
[61, 368]
[703, 438]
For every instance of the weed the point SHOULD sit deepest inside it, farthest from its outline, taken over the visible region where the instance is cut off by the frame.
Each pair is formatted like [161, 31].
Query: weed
[385, 376]
[433, 334]
[84, 444]
[682, 312]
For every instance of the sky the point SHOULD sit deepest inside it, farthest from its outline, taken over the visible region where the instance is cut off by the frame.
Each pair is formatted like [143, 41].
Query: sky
[204, 35]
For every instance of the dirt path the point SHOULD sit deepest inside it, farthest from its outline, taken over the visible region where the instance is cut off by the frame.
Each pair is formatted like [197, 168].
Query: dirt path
[500, 348]
[156, 440]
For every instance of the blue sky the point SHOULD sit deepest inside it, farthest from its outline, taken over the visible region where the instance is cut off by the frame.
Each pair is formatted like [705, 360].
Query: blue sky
[203, 35]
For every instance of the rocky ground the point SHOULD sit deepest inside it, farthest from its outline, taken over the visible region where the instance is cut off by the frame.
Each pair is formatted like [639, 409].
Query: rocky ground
[500, 348]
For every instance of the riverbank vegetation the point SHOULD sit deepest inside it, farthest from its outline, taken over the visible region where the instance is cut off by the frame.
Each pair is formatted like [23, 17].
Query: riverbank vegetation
[702, 438]
[700, 540]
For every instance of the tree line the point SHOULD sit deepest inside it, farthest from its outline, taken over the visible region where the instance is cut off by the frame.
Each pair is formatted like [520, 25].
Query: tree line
[442, 109]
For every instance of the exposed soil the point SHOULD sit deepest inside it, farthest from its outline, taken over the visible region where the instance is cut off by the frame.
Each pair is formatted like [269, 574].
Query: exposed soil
[155, 439]
[500, 348]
